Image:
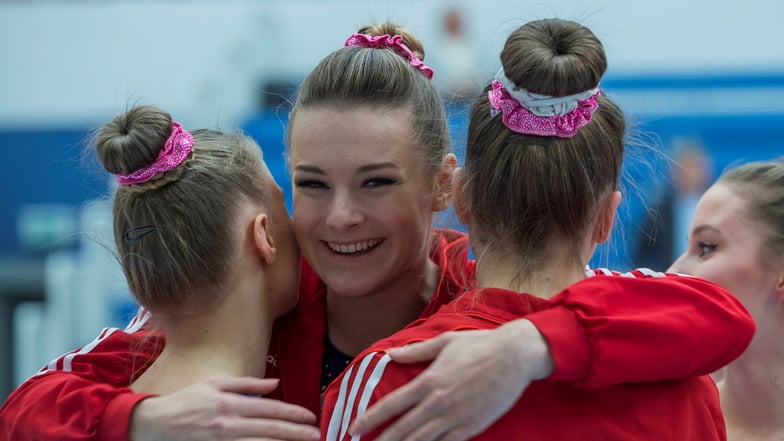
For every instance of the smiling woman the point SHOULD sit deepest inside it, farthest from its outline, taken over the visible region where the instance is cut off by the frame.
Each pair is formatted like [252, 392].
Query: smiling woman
[370, 164]
[367, 203]
[363, 204]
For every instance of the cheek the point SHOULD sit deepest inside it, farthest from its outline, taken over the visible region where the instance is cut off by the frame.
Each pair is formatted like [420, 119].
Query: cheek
[411, 210]
[421, 199]
[729, 273]
[710, 270]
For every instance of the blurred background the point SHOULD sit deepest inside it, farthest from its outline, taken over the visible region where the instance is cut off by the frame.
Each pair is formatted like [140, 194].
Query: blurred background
[701, 83]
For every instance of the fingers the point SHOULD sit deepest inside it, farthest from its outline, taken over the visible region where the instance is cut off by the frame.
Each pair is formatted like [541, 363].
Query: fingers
[457, 435]
[247, 405]
[430, 431]
[421, 351]
[433, 431]
[278, 430]
[391, 405]
[254, 407]
[245, 385]
[428, 421]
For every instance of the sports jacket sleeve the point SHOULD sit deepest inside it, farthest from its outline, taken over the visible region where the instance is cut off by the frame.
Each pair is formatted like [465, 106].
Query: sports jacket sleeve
[84, 394]
[358, 387]
[640, 326]
[604, 330]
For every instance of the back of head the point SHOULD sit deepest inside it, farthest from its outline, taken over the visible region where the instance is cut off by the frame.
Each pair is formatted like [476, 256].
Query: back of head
[172, 226]
[540, 182]
[379, 78]
[761, 185]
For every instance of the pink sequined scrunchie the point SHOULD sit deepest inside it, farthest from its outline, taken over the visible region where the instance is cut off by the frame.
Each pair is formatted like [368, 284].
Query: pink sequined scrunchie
[174, 153]
[521, 120]
[393, 42]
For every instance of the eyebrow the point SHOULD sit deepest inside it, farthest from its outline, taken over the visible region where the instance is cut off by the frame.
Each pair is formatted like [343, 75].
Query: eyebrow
[310, 169]
[705, 227]
[363, 169]
[378, 166]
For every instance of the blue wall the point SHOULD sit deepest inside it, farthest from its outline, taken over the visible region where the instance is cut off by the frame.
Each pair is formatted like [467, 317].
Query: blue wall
[43, 167]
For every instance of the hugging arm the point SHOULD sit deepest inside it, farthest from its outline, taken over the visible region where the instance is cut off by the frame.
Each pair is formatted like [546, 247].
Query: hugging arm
[84, 395]
[607, 329]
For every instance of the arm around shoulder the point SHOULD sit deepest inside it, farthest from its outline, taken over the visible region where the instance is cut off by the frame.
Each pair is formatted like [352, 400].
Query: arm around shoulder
[643, 326]
[84, 394]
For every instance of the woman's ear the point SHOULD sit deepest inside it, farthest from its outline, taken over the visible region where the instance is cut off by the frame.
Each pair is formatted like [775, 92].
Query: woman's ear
[461, 201]
[606, 217]
[444, 183]
[262, 237]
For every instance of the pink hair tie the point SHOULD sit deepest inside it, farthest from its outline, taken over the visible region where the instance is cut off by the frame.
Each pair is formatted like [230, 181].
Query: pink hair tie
[521, 120]
[174, 153]
[393, 42]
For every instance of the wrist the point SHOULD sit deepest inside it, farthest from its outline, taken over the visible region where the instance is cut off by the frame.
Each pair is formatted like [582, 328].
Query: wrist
[141, 420]
[531, 347]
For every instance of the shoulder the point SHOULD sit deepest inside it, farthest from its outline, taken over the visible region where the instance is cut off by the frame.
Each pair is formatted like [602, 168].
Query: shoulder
[598, 274]
[638, 273]
[639, 279]
[113, 352]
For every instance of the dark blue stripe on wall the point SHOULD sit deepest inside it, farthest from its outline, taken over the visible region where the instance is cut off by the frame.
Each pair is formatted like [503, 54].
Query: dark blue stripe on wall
[762, 80]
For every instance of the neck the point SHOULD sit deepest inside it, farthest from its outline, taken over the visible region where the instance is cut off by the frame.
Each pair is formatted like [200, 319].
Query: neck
[229, 339]
[752, 389]
[356, 322]
[548, 280]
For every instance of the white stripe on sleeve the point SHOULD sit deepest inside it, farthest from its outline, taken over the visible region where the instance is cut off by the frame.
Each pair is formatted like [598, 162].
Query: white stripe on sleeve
[352, 386]
[370, 386]
[139, 320]
[67, 358]
[65, 361]
[337, 412]
[651, 273]
[352, 396]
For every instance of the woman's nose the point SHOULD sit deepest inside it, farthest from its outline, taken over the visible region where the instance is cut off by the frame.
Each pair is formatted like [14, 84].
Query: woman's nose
[679, 266]
[344, 213]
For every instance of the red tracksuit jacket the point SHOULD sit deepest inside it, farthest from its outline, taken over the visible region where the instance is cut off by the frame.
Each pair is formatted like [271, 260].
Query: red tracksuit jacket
[84, 395]
[619, 403]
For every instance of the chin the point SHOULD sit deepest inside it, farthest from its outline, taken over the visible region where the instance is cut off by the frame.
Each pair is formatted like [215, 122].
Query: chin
[349, 288]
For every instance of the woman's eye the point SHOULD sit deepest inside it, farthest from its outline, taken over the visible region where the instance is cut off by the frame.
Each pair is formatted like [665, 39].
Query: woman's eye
[378, 182]
[706, 248]
[309, 183]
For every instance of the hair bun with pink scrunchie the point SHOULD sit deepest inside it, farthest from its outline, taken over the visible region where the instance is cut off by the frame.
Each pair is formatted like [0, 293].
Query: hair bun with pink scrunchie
[394, 42]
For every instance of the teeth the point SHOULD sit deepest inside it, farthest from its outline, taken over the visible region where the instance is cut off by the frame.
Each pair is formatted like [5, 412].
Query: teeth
[353, 247]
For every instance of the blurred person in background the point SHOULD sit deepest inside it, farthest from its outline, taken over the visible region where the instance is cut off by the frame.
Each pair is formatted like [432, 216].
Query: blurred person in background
[455, 61]
[666, 225]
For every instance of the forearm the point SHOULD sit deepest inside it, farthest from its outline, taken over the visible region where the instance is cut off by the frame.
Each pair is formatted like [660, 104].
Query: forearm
[609, 330]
